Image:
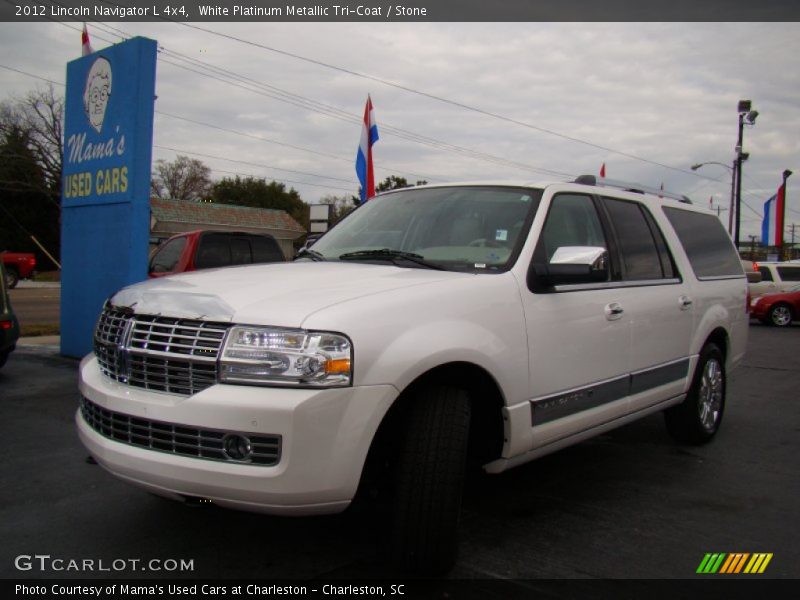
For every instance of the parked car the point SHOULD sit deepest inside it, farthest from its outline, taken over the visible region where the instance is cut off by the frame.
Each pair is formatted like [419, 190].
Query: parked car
[778, 308]
[776, 277]
[18, 265]
[433, 329]
[9, 326]
[197, 250]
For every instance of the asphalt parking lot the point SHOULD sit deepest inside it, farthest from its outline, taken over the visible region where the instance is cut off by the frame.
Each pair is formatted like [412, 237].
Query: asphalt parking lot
[628, 504]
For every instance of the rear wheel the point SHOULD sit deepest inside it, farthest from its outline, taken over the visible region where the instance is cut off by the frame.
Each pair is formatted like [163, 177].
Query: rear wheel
[697, 419]
[780, 315]
[430, 481]
[12, 277]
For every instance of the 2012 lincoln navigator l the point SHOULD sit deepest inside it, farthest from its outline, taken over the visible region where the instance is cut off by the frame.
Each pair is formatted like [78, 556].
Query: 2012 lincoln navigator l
[433, 330]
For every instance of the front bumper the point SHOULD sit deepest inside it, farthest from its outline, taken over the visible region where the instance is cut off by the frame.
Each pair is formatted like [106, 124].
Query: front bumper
[325, 437]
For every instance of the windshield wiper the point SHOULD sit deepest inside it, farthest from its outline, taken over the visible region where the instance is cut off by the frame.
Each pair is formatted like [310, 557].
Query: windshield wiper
[312, 254]
[393, 256]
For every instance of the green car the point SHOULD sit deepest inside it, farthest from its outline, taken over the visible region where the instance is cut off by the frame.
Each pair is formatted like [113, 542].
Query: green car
[9, 326]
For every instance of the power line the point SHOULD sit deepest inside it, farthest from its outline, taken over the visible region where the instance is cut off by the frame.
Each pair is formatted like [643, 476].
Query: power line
[252, 164]
[434, 97]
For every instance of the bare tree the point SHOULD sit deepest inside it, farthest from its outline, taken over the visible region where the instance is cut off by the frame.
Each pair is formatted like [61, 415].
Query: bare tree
[341, 206]
[40, 117]
[182, 179]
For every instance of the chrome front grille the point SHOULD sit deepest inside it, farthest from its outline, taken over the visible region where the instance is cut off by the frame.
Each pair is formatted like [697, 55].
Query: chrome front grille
[164, 354]
[177, 439]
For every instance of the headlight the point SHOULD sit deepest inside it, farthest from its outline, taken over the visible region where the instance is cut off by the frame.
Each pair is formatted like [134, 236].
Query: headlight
[263, 355]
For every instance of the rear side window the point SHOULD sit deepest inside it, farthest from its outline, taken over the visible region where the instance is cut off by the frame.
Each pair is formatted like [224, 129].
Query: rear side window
[240, 251]
[707, 244]
[643, 251]
[766, 274]
[166, 258]
[789, 273]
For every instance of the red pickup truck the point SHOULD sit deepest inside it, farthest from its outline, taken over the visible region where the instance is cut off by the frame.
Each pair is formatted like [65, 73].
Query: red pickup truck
[19, 265]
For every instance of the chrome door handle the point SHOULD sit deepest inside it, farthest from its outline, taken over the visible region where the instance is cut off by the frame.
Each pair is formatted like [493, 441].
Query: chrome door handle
[614, 311]
[685, 302]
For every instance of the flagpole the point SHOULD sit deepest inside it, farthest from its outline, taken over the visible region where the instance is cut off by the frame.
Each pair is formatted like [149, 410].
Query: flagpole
[786, 175]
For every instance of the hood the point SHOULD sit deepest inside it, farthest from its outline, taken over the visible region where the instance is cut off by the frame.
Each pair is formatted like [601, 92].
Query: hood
[279, 294]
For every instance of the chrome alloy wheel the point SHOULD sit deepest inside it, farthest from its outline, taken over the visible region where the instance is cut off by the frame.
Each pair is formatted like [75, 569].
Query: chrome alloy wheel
[712, 387]
[781, 315]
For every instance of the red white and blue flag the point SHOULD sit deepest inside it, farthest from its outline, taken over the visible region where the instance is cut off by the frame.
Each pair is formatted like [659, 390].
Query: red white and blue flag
[364, 168]
[772, 225]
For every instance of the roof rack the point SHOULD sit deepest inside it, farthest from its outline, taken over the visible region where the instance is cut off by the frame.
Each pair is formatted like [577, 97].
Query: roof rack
[630, 187]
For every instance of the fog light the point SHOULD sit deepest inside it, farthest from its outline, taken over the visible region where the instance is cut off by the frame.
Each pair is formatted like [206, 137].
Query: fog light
[236, 447]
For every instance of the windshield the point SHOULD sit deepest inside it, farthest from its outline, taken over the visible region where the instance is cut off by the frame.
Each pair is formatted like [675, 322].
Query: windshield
[456, 228]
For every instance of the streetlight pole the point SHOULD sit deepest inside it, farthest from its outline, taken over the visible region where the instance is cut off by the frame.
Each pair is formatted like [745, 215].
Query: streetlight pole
[750, 116]
[732, 169]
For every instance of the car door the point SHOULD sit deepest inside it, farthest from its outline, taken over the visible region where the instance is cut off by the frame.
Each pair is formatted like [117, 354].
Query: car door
[579, 342]
[658, 303]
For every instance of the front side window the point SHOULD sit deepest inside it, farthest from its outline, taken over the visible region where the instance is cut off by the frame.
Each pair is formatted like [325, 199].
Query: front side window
[572, 222]
[166, 258]
[478, 229]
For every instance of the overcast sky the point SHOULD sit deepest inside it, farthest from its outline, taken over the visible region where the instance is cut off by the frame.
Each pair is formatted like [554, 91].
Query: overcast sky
[647, 99]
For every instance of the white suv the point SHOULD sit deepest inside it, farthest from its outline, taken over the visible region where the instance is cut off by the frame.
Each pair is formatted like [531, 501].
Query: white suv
[435, 328]
[776, 277]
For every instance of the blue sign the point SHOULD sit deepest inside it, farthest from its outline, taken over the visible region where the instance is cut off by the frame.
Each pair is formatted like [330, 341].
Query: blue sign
[105, 196]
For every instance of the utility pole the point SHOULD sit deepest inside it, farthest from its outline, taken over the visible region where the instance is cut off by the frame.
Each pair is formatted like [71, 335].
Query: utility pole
[752, 246]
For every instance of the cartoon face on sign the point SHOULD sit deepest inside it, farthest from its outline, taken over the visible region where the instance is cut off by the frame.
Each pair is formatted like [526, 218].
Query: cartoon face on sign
[97, 92]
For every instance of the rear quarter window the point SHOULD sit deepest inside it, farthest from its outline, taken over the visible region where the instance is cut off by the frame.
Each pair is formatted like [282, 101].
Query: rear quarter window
[707, 244]
[266, 249]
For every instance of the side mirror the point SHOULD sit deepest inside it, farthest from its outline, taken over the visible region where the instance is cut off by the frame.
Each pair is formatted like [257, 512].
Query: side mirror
[573, 265]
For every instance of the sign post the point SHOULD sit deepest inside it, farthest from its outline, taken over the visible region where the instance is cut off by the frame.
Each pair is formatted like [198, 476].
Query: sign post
[105, 196]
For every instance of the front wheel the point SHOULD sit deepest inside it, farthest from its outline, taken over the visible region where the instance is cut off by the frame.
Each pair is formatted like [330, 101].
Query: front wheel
[430, 481]
[697, 419]
[780, 315]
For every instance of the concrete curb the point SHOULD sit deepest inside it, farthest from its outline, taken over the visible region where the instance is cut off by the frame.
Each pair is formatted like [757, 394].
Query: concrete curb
[41, 340]
[26, 284]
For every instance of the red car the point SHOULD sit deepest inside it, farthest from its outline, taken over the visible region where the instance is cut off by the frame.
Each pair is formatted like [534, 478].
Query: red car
[212, 249]
[779, 309]
[19, 265]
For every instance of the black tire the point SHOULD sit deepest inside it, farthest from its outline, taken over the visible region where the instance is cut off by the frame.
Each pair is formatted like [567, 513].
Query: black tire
[430, 481]
[12, 278]
[780, 315]
[697, 419]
